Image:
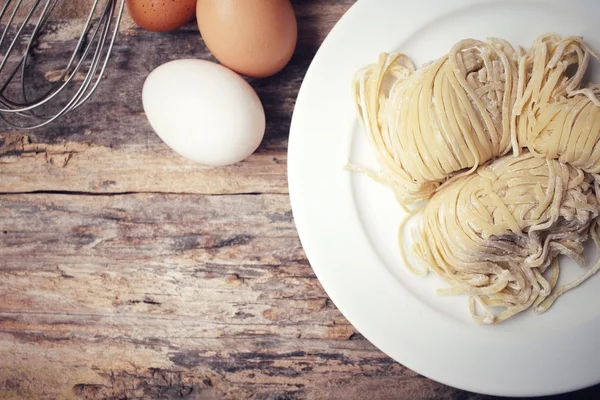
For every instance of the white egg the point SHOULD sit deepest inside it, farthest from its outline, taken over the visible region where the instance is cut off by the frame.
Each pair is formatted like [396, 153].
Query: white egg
[204, 111]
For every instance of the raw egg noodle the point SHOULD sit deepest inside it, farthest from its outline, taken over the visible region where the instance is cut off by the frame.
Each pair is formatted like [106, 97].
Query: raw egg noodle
[493, 234]
[505, 145]
[449, 115]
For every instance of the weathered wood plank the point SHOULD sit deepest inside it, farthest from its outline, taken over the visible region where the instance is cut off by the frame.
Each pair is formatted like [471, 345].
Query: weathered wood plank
[305, 371]
[147, 294]
[91, 168]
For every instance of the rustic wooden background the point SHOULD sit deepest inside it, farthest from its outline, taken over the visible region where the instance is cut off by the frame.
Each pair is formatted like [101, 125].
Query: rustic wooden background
[127, 272]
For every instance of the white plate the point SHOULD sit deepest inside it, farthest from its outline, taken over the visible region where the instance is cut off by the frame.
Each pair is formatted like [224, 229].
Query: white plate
[347, 223]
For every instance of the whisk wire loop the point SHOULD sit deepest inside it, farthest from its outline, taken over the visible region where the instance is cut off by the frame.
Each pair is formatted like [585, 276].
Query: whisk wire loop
[76, 82]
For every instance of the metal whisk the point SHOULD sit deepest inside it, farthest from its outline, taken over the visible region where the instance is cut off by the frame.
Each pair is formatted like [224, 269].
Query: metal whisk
[78, 80]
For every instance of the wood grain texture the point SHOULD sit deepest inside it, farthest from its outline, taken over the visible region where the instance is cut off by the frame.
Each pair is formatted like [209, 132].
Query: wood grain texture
[127, 272]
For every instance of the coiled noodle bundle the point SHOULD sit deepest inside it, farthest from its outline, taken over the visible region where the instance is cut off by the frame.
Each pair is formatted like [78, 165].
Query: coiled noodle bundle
[449, 115]
[569, 130]
[542, 104]
[494, 234]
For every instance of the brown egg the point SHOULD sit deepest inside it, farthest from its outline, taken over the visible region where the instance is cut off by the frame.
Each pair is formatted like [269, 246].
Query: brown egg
[255, 38]
[161, 15]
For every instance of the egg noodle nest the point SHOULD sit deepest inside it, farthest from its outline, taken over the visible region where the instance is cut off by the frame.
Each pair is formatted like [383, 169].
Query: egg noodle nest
[503, 145]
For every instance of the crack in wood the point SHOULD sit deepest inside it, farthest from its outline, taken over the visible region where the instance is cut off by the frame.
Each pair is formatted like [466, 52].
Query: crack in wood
[129, 193]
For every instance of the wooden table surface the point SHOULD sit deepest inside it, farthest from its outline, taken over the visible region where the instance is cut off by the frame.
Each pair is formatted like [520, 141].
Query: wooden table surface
[127, 272]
